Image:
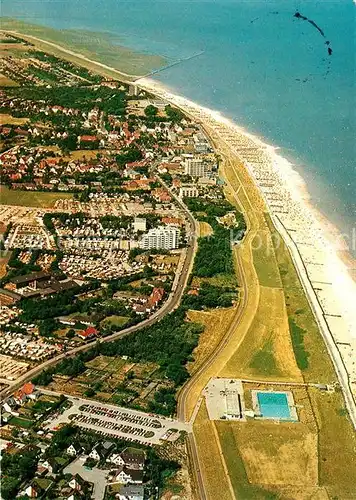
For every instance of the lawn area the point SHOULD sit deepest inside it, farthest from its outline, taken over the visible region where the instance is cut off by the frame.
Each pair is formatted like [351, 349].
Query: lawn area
[276, 456]
[212, 467]
[21, 422]
[30, 198]
[205, 229]
[81, 154]
[266, 352]
[264, 260]
[114, 321]
[242, 487]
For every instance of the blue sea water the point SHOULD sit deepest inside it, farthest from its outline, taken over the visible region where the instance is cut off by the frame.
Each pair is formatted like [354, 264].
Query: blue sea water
[267, 70]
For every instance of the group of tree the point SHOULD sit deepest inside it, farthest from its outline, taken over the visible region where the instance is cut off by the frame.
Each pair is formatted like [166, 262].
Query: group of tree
[210, 296]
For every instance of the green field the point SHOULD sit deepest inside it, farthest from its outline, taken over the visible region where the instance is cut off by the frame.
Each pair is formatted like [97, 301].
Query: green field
[105, 48]
[30, 198]
[21, 422]
[114, 321]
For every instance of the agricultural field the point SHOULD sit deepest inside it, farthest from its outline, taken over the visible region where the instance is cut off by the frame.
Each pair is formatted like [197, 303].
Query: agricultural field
[30, 198]
[7, 82]
[11, 120]
[113, 380]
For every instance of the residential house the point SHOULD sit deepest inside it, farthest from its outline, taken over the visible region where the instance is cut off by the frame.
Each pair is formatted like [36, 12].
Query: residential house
[122, 475]
[134, 458]
[131, 492]
[27, 391]
[73, 450]
[101, 450]
[116, 459]
[32, 491]
[89, 333]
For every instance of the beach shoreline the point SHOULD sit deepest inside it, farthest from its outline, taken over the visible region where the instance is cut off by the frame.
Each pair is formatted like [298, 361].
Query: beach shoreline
[322, 267]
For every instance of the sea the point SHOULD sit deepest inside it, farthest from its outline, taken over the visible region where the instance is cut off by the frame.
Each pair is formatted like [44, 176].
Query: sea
[285, 70]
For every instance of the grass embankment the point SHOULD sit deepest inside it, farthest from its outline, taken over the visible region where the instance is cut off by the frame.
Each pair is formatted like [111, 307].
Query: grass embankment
[101, 47]
[266, 352]
[210, 459]
[309, 347]
[35, 199]
[314, 459]
[215, 323]
[336, 444]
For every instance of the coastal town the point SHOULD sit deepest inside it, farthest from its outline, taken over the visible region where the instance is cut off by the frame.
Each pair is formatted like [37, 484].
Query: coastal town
[148, 318]
[97, 177]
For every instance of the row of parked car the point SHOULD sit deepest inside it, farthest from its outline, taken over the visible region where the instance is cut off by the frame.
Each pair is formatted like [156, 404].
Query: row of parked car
[121, 415]
[113, 426]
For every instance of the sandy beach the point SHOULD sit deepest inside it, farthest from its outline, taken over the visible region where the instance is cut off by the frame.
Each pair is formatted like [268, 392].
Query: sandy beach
[315, 245]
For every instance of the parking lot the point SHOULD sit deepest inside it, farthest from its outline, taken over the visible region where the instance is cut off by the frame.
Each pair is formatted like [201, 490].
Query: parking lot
[111, 420]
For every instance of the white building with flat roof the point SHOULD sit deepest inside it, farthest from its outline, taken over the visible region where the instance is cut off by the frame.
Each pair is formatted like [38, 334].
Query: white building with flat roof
[162, 237]
[188, 192]
[139, 224]
[196, 167]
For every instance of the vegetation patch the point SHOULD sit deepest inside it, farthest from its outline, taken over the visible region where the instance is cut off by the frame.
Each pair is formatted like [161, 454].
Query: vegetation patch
[297, 334]
[21, 422]
[264, 359]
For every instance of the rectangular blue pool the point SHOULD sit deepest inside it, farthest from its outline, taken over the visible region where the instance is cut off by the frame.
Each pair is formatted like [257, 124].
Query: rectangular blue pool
[274, 405]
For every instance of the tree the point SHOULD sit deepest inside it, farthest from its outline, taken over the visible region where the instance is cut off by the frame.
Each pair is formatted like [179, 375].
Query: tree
[151, 111]
[70, 333]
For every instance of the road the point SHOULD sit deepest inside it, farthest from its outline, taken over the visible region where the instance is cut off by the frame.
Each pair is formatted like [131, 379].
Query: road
[171, 303]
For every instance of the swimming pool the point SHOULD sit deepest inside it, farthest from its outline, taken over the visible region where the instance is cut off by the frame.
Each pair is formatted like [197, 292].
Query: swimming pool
[274, 405]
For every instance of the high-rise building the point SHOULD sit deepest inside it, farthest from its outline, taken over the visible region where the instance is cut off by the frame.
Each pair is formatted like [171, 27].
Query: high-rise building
[196, 167]
[162, 237]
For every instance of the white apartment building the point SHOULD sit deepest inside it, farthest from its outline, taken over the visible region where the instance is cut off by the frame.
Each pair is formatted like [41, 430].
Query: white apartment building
[196, 167]
[162, 237]
[139, 224]
[188, 192]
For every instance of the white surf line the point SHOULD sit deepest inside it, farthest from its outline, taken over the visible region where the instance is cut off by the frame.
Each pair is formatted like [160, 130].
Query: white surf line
[295, 205]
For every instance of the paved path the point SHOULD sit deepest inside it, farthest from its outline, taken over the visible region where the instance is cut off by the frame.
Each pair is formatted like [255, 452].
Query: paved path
[95, 476]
